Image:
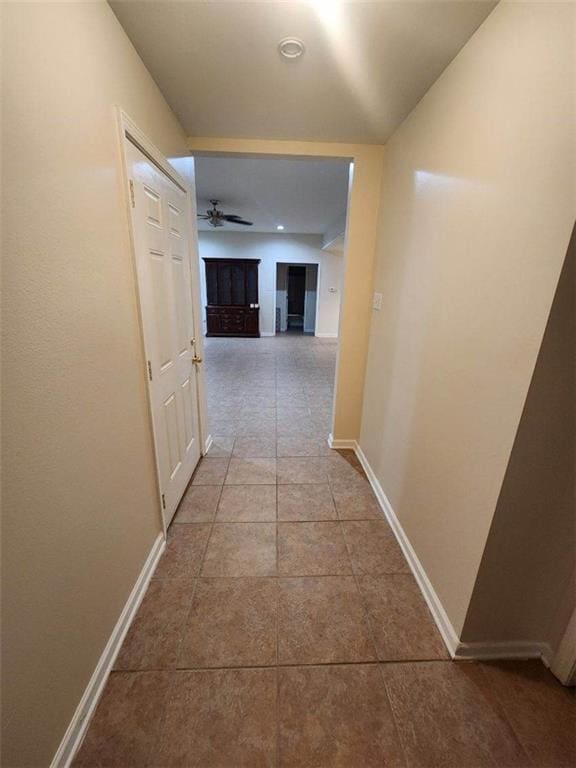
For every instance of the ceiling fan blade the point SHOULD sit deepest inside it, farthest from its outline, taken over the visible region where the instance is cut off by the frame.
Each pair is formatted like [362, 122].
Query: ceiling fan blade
[203, 216]
[234, 219]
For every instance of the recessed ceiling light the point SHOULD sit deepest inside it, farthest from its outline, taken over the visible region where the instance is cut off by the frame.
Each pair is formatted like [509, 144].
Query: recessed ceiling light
[280, 226]
[291, 48]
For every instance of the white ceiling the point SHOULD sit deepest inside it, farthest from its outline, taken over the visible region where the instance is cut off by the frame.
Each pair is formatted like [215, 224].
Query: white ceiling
[306, 196]
[366, 65]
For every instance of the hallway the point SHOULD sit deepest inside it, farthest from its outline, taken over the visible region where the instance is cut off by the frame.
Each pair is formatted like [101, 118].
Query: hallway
[283, 627]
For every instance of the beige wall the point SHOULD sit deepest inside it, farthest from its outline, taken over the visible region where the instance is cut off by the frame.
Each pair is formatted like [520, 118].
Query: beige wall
[79, 495]
[526, 585]
[477, 209]
[359, 254]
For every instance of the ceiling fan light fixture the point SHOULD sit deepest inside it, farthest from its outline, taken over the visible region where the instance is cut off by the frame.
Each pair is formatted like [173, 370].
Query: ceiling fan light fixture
[291, 48]
[217, 218]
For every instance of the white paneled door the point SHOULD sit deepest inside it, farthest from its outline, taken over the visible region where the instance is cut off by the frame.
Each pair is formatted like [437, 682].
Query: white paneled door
[161, 230]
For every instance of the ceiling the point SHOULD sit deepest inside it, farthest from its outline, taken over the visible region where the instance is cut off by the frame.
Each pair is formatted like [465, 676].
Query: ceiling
[305, 196]
[366, 64]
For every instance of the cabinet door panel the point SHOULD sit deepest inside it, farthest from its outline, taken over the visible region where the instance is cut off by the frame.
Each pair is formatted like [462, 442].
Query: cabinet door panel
[238, 290]
[212, 283]
[224, 284]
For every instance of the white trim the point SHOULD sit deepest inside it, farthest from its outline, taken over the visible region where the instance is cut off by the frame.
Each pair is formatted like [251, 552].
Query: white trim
[340, 444]
[196, 297]
[514, 649]
[208, 444]
[267, 333]
[437, 610]
[81, 718]
[131, 131]
[458, 650]
[326, 246]
[563, 662]
[326, 335]
[314, 262]
[306, 299]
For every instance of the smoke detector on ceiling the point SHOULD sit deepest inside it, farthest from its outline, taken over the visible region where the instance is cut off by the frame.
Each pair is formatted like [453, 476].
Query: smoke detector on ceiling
[291, 48]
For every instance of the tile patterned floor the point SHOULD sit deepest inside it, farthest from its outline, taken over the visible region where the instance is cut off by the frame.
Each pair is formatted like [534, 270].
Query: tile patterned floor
[283, 626]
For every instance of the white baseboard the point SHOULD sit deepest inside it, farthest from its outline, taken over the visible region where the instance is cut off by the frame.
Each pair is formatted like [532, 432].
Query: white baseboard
[81, 718]
[336, 444]
[439, 615]
[457, 649]
[326, 335]
[267, 333]
[506, 650]
[207, 444]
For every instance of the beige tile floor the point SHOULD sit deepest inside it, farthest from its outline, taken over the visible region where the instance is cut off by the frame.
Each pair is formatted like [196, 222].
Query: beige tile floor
[283, 627]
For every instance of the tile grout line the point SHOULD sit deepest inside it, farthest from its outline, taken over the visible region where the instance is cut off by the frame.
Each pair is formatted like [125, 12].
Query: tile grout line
[199, 572]
[376, 648]
[295, 665]
[360, 595]
[170, 692]
[359, 591]
[277, 582]
[502, 711]
[277, 666]
[395, 716]
[380, 661]
[341, 574]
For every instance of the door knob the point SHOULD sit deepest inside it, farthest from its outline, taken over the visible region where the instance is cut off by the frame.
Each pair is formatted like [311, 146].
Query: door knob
[196, 359]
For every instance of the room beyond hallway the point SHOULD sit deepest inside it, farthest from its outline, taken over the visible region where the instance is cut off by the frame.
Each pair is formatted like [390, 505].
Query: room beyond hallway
[276, 387]
[283, 627]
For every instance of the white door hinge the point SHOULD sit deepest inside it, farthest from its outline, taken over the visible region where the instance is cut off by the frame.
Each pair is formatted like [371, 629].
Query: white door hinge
[132, 198]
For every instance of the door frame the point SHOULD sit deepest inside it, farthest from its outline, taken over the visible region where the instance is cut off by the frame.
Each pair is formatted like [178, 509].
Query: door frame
[310, 263]
[128, 131]
[364, 195]
[563, 662]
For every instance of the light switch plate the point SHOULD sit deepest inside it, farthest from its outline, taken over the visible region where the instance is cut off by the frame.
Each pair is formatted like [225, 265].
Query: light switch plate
[377, 301]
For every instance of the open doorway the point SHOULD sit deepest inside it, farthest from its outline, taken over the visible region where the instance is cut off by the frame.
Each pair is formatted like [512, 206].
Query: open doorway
[296, 298]
[270, 238]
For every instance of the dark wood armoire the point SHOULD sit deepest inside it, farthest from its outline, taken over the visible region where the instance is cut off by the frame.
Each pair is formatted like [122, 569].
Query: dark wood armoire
[232, 307]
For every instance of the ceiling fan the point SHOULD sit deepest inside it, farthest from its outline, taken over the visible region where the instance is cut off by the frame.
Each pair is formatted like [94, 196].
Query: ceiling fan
[218, 218]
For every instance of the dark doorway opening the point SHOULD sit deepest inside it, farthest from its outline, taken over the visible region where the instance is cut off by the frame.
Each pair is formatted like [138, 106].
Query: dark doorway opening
[296, 299]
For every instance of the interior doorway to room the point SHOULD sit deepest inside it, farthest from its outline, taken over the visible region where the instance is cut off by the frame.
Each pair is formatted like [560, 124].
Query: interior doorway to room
[271, 211]
[296, 298]
[271, 263]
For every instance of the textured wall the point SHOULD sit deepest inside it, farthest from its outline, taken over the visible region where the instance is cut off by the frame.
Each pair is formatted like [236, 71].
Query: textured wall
[477, 210]
[79, 496]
